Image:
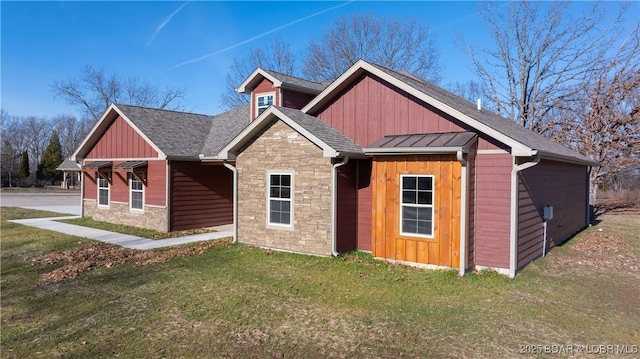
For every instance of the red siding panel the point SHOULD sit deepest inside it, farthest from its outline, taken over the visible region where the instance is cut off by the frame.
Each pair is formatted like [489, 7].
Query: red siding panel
[365, 204]
[560, 185]
[347, 208]
[492, 209]
[121, 141]
[295, 100]
[201, 196]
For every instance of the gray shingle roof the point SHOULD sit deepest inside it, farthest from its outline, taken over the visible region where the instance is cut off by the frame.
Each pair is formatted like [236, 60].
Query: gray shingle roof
[490, 119]
[68, 165]
[291, 81]
[182, 134]
[327, 134]
[177, 134]
[224, 128]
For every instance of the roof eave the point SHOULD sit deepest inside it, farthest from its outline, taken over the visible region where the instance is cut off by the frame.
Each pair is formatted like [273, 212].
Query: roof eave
[568, 159]
[378, 151]
[252, 80]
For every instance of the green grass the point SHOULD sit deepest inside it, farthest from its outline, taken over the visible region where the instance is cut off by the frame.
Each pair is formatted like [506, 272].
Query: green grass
[119, 228]
[240, 302]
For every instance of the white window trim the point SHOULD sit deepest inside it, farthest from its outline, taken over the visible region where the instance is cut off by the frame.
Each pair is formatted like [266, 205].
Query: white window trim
[99, 177]
[263, 94]
[130, 180]
[432, 206]
[291, 200]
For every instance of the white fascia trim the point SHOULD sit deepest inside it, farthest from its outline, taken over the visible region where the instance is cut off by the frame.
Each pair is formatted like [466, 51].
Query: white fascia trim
[243, 86]
[561, 158]
[227, 153]
[101, 126]
[517, 148]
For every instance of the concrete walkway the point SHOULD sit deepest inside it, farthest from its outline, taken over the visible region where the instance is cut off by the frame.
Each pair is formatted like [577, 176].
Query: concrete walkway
[119, 239]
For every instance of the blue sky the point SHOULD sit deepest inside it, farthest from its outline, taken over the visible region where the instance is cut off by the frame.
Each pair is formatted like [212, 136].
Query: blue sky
[185, 44]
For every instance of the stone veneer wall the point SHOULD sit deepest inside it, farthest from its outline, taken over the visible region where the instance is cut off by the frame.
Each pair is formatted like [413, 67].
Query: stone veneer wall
[279, 147]
[119, 213]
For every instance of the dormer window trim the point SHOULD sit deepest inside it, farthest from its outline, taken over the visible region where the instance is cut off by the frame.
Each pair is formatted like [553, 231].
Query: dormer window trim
[264, 105]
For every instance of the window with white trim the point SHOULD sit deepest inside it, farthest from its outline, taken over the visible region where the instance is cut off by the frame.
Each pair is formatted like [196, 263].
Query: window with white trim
[136, 191]
[279, 199]
[416, 208]
[103, 188]
[263, 101]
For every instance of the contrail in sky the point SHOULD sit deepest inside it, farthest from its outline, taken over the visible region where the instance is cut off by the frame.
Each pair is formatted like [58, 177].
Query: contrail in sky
[165, 22]
[258, 36]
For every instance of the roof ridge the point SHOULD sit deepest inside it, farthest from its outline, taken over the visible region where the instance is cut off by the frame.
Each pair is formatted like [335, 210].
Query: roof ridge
[163, 110]
[296, 77]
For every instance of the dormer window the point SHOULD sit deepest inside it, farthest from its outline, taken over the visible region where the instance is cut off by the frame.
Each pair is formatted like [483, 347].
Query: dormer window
[263, 101]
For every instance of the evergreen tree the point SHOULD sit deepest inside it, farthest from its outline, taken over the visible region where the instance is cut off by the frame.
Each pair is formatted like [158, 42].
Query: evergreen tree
[51, 159]
[24, 166]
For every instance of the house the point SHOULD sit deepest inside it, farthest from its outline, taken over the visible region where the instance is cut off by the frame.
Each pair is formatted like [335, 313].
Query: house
[141, 167]
[377, 160]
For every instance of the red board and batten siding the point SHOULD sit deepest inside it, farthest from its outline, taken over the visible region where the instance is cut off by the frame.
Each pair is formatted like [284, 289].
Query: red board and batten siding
[492, 209]
[154, 192]
[560, 185]
[201, 195]
[295, 100]
[121, 141]
[368, 110]
[347, 211]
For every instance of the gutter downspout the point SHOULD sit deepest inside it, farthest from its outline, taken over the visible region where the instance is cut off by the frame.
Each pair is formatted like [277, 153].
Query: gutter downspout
[463, 211]
[334, 203]
[513, 233]
[235, 199]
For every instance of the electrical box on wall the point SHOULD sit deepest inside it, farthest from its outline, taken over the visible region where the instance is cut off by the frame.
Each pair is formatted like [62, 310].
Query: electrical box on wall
[547, 212]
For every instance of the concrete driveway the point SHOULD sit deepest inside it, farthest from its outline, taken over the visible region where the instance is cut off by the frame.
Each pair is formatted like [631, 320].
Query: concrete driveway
[55, 202]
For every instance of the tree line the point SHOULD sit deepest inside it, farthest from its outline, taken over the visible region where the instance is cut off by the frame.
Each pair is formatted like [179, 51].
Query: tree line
[574, 79]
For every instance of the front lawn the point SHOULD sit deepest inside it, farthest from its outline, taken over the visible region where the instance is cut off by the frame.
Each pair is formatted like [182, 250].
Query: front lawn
[234, 301]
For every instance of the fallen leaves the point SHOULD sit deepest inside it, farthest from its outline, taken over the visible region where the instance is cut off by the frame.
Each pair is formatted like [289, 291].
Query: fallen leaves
[83, 259]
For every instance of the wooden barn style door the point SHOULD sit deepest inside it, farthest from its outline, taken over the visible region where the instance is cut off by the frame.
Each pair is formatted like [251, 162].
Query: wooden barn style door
[416, 209]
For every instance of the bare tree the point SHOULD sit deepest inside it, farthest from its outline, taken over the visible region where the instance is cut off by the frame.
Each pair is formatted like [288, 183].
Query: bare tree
[472, 91]
[71, 131]
[95, 90]
[398, 44]
[606, 125]
[276, 56]
[541, 56]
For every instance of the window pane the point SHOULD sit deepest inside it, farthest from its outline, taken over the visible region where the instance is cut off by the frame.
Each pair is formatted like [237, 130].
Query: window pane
[285, 218]
[409, 226]
[275, 192]
[136, 200]
[424, 227]
[408, 182]
[425, 183]
[425, 197]
[409, 213]
[274, 216]
[409, 197]
[425, 214]
[275, 205]
[285, 206]
[285, 192]
[275, 180]
[285, 180]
